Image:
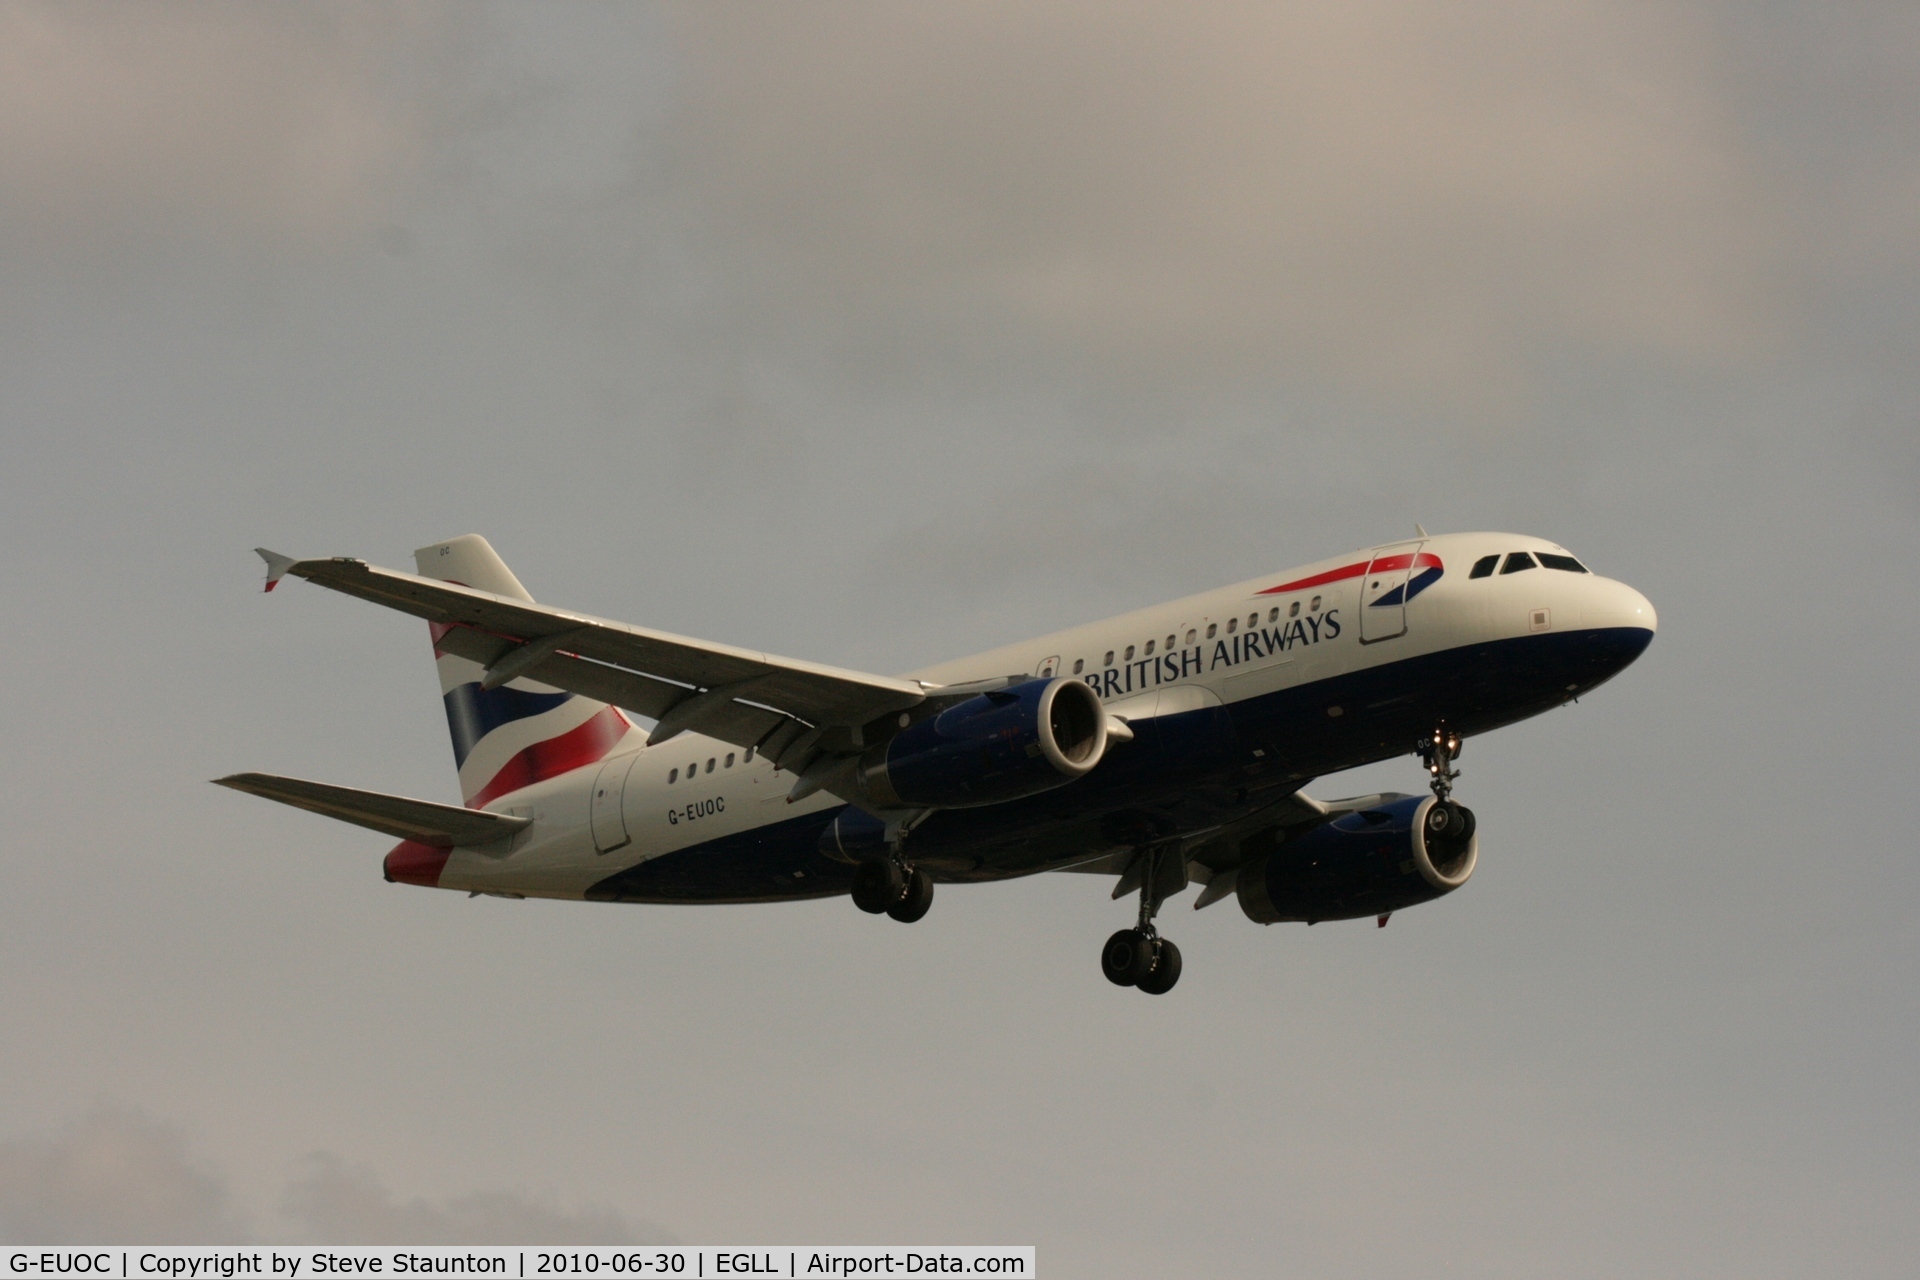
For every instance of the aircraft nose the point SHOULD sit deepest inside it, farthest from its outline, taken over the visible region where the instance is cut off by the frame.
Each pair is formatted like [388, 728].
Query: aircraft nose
[1619, 625]
[1622, 606]
[1620, 620]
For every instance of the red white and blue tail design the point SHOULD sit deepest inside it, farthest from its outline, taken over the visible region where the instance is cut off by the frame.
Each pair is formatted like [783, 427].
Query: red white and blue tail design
[522, 732]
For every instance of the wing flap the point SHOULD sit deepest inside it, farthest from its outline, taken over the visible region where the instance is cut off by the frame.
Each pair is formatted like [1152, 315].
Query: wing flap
[638, 693]
[441, 825]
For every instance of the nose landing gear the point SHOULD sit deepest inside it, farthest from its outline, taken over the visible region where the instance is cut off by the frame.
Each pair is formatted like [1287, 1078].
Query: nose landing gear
[1438, 751]
[1140, 957]
[1449, 824]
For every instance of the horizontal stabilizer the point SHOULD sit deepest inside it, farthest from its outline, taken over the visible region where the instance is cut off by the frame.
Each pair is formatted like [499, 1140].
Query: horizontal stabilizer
[440, 825]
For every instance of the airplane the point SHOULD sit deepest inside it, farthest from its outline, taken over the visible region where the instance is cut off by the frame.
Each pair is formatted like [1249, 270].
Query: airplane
[1167, 747]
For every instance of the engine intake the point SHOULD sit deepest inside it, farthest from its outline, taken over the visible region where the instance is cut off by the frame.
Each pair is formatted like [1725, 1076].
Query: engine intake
[999, 746]
[1386, 858]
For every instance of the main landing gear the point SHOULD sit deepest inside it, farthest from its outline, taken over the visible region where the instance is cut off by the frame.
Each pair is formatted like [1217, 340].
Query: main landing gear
[1140, 957]
[892, 887]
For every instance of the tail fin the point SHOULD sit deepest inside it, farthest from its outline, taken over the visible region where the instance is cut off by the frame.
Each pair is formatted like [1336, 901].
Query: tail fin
[522, 732]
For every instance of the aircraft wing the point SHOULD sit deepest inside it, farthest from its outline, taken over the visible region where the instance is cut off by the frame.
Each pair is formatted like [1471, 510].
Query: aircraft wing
[440, 825]
[782, 706]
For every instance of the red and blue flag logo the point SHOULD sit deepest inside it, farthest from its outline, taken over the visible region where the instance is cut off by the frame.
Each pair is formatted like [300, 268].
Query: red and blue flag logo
[1425, 567]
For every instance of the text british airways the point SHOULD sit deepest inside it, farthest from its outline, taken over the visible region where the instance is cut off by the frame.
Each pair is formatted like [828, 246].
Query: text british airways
[1229, 651]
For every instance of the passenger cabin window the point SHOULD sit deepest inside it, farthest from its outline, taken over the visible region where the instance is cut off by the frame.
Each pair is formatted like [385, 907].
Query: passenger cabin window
[1190, 634]
[1109, 661]
[709, 764]
[1566, 564]
[1233, 625]
[1253, 620]
[673, 776]
[1079, 665]
[1273, 614]
[1293, 610]
[1313, 605]
[1149, 648]
[1518, 561]
[1483, 567]
[1213, 629]
[1129, 657]
[747, 758]
[729, 763]
[1170, 641]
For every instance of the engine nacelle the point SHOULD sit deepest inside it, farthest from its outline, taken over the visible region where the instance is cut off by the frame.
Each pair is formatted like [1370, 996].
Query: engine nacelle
[854, 836]
[1396, 855]
[1013, 742]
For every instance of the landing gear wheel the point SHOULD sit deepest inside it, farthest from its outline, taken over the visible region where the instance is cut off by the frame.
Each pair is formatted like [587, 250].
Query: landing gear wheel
[877, 886]
[1447, 834]
[1166, 969]
[1127, 958]
[914, 902]
[1449, 823]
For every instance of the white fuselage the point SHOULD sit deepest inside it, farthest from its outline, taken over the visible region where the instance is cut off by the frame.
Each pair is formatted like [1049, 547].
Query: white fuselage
[1218, 648]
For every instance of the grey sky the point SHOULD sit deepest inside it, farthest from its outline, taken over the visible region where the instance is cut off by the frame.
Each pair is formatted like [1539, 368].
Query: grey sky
[874, 335]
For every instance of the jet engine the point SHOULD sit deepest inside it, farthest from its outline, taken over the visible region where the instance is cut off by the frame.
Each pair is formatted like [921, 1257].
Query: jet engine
[1397, 854]
[1012, 742]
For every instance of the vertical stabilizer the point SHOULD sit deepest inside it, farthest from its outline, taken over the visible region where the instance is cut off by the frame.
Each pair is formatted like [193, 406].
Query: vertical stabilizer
[522, 732]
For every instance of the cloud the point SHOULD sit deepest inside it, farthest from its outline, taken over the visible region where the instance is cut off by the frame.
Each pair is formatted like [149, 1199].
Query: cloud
[1417, 203]
[111, 1176]
[128, 117]
[1412, 206]
[338, 1204]
[116, 1176]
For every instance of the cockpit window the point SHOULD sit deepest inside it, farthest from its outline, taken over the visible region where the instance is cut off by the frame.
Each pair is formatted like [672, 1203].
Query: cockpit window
[1565, 563]
[1483, 567]
[1517, 561]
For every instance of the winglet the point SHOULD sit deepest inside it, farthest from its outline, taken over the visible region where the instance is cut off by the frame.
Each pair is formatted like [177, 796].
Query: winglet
[277, 565]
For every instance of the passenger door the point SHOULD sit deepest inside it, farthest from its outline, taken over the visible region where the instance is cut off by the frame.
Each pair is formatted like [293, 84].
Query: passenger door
[1383, 592]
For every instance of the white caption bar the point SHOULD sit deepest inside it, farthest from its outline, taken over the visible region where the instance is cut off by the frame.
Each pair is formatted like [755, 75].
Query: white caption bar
[517, 1262]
